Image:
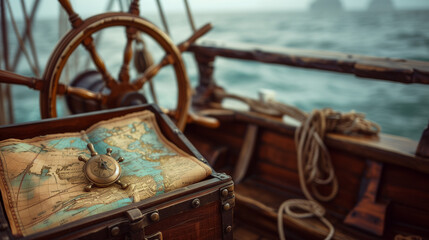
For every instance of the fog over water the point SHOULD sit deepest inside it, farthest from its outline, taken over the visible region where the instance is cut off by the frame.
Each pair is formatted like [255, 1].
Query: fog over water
[87, 8]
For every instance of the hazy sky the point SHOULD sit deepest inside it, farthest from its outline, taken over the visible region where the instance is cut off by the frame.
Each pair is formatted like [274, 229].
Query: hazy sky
[49, 8]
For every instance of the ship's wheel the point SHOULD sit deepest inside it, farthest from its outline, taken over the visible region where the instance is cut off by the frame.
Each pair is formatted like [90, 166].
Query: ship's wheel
[114, 92]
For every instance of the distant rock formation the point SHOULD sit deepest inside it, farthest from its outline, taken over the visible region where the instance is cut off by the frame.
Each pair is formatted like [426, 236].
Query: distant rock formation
[381, 5]
[326, 5]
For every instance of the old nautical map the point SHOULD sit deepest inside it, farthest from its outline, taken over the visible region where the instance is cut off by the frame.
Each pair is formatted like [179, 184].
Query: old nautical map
[42, 182]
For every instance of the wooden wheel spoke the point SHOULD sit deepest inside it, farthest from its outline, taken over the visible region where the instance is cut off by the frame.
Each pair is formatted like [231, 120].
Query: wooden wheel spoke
[88, 42]
[63, 89]
[98, 61]
[194, 37]
[154, 69]
[124, 74]
[74, 18]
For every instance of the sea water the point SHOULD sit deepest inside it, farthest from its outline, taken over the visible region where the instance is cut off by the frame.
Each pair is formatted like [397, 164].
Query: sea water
[400, 109]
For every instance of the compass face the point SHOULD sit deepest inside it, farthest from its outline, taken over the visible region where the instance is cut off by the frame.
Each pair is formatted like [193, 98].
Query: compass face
[102, 170]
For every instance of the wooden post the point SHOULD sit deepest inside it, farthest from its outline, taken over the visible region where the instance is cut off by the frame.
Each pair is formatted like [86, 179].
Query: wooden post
[206, 82]
[5, 93]
[423, 147]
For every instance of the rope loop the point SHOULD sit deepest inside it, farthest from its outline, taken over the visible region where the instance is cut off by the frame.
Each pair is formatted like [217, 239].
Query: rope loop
[407, 237]
[307, 208]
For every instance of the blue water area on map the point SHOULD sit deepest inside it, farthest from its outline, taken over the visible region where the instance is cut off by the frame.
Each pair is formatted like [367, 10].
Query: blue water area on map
[60, 144]
[135, 145]
[21, 147]
[68, 142]
[29, 182]
[152, 138]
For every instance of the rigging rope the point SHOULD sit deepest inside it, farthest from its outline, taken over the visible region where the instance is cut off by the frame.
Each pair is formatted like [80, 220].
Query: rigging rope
[30, 35]
[121, 7]
[4, 54]
[20, 41]
[163, 18]
[63, 27]
[25, 33]
[97, 40]
[190, 18]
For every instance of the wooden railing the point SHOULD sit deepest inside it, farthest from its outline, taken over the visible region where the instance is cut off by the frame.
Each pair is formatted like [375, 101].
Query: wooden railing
[390, 69]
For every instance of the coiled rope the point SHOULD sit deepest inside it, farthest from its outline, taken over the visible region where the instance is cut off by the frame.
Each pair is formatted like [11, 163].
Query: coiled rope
[314, 162]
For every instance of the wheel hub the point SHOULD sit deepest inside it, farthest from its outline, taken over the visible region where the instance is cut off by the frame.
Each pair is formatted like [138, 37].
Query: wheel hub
[123, 94]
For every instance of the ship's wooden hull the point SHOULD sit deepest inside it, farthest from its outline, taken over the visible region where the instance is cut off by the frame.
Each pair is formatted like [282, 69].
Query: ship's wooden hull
[272, 177]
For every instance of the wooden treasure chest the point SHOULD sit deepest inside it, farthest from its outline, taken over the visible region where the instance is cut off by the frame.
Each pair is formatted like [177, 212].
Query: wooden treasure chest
[124, 173]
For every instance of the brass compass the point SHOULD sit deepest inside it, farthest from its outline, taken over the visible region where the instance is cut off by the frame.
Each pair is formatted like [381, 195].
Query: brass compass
[102, 170]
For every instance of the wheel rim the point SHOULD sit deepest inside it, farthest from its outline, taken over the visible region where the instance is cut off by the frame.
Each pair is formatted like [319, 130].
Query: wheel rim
[75, 37]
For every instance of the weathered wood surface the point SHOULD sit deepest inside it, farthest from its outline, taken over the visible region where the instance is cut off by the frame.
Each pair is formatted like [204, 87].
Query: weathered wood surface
[384, 148]
[272, 176]
[257, 204]
[391, 69]
[202, 223]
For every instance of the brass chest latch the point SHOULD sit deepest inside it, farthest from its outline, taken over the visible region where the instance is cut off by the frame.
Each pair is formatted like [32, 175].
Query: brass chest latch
[134, 227]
